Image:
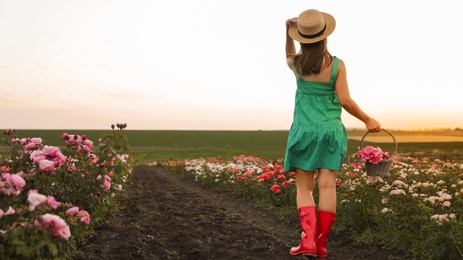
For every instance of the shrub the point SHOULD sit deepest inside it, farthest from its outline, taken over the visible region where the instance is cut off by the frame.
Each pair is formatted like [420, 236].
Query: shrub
[50, 198]
[417, 209]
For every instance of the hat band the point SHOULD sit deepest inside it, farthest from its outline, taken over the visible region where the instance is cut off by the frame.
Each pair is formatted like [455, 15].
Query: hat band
[311, 36]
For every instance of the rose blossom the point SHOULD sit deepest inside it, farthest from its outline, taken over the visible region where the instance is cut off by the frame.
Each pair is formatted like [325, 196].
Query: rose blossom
[371, 154]
[57, 224]
[35, 199]
[24, 141]
[65, 136]
[12, 184]
[17, 181]
[46, 166]
[36, 140]
[52, 202]
[30, 146]
[88, 143]
[84, 217]
[50, 150]
[107, 185]
[72, 211]
[37, 156]
[10, 211]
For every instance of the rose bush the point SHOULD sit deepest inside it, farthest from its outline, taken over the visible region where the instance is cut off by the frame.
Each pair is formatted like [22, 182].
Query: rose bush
[51, 197]
[418, 208]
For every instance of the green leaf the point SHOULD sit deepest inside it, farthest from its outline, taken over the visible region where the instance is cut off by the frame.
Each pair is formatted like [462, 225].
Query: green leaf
[22, 250]
[17, 242]
[52, 248]
[39, 247]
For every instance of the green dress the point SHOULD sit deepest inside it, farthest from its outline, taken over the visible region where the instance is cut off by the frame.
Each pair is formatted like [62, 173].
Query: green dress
[317, 138]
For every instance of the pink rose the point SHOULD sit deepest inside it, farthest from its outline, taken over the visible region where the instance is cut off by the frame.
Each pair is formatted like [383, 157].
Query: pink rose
[24, 141]
[30, 146]
[65, 136]
[84, 217]
[74, 140]
[57, 225]
[88, 143]
[59, 158]
[37, 156]
[72, 167]
[36, 140]
[50, 150]
[32, 191]
[371, 154]
[17, 181]
[93, 157]
[107, 185]
[387, 155]
[12, 184]
[46, 166]
[52, 202]
[10, 211]
[72, 211]
[35, 199]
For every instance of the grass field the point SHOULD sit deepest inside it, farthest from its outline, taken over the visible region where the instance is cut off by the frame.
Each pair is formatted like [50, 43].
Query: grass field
[156, 145]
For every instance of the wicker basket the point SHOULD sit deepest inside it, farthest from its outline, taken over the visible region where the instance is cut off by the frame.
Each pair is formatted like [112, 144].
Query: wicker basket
[383, 167]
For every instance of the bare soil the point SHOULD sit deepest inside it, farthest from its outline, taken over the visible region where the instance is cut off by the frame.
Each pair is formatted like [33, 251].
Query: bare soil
[167, 216]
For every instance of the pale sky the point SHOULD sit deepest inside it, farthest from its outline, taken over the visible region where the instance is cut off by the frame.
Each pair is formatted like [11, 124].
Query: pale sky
[219, 64]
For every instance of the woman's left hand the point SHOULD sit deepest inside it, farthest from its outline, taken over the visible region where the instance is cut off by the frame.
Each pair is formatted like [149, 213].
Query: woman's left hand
[291, 22]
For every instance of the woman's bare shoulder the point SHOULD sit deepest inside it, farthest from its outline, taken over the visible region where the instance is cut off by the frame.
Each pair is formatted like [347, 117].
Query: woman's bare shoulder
[339, 60]
[341, 65]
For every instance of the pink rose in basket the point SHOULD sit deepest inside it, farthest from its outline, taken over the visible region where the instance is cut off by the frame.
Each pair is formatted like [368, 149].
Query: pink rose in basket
[372, 155]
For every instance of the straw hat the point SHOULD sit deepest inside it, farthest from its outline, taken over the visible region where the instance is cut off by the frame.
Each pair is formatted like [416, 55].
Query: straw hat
[312, 26]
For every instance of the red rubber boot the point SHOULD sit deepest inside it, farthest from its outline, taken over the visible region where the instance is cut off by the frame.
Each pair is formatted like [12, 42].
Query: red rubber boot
[324, 223]
[308, 220]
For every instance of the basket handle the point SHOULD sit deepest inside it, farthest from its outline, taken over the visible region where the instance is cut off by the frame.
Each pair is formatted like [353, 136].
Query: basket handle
[393, 138]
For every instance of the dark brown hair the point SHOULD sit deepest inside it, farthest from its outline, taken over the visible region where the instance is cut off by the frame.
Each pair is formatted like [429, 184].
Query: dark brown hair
[310, 58]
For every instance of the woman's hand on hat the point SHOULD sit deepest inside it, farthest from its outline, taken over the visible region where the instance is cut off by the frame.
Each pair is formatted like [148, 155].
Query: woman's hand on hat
[290, 22]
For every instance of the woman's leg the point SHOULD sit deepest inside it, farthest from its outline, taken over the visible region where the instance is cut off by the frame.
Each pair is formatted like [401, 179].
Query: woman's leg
[327, 190]
[326, 209]
[307, 213]
[305, 186]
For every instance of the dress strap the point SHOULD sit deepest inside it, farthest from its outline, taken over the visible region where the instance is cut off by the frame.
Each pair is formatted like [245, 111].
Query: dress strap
[334, 70]
[299, 75]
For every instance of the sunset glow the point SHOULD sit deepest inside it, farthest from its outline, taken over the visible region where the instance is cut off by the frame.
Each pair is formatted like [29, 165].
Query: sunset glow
[218, 65]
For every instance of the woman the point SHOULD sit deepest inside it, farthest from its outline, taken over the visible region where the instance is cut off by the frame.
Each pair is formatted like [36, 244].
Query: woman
[317, 141]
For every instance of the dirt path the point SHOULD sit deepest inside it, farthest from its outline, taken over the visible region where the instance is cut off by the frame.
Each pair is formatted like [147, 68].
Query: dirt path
[165, 216]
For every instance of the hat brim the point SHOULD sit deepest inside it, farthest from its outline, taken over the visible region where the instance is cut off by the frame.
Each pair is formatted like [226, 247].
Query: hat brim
[330, 26]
